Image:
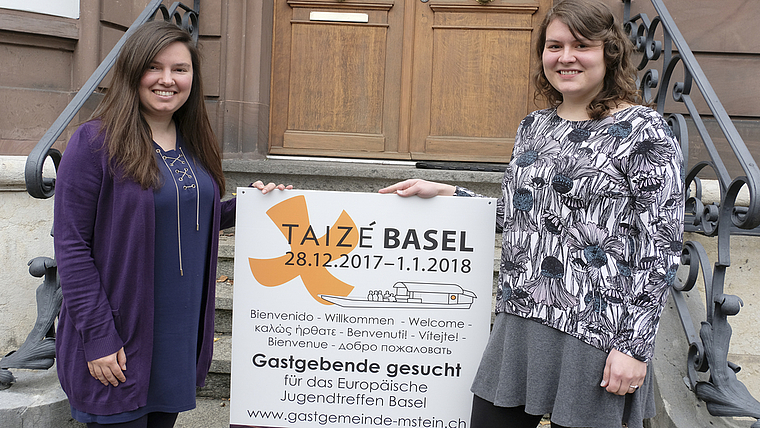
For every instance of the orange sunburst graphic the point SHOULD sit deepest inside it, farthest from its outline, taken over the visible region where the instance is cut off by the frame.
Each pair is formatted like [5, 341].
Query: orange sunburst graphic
[291, 216]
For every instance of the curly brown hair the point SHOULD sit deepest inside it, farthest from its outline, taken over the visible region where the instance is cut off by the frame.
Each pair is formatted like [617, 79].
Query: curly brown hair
[592, 20]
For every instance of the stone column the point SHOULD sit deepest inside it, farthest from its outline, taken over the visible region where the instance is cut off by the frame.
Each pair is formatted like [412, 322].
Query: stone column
[25, 225]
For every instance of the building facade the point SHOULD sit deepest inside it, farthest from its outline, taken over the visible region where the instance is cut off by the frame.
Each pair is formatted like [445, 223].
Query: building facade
[441, 80]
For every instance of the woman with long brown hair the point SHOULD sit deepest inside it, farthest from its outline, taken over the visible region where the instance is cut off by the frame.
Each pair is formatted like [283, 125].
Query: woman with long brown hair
[137, 220]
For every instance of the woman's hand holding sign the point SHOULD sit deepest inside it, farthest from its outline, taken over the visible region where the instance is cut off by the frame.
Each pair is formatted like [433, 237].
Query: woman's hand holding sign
[421, 188]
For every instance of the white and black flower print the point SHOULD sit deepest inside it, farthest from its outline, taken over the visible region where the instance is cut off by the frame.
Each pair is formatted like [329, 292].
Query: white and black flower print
[620, 129]
[514, 260]
[547, 286]
[569, 169]
[669, 238]
[522, 204]
[517, 300]
[537, 154]
[592, 217]
[651, 153]
[593, 249]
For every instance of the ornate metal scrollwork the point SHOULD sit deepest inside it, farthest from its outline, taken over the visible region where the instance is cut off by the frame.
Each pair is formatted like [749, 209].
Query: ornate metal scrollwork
[723, 393]
[187, 20]
[38, 350]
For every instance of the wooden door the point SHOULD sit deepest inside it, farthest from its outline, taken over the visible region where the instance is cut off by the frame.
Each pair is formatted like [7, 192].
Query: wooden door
[401, 79]
[335, 82]
[471, 78]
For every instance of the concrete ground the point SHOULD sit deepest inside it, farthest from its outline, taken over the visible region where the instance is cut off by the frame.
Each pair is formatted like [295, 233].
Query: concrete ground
[35, 401]
[208, 413]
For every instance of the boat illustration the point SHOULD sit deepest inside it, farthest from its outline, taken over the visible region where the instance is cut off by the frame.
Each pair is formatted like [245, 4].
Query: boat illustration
[410, 295]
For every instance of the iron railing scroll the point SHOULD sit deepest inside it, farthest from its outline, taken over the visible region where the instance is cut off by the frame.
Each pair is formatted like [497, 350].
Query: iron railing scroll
[723, 393]
[38, 350]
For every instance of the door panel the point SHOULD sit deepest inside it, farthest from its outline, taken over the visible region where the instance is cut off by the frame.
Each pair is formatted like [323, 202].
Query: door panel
[471, 74]
[336, 69]
[340, 71]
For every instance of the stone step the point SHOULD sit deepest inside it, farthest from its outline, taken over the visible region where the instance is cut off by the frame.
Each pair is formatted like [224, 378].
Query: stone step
[226, 262]
[35, 400]
[223, 312]
[218, 379]
[341, 175]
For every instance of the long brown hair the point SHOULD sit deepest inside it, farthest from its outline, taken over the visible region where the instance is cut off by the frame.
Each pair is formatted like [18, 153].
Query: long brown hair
[594, 21]
[128, 141]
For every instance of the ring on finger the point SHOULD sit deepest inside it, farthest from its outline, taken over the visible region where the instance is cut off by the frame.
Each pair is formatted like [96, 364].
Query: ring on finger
[633, 387]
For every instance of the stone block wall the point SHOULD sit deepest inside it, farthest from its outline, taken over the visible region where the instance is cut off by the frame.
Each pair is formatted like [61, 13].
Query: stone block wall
[25, 225]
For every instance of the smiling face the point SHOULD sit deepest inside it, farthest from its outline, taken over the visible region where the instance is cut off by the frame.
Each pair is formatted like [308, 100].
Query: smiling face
[166, 84]
[574, 67]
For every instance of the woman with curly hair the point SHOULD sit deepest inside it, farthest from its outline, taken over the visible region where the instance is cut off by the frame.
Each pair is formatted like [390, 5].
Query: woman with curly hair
[591, 212]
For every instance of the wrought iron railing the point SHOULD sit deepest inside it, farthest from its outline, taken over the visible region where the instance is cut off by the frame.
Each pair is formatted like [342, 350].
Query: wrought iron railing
[38, 350]
[44, 188]
[724, 394]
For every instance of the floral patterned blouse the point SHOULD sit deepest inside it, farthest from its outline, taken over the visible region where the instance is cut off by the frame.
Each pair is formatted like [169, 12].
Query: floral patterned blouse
[592, 218]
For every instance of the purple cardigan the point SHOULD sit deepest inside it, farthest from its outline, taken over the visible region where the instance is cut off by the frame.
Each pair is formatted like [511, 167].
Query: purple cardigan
[104, 246]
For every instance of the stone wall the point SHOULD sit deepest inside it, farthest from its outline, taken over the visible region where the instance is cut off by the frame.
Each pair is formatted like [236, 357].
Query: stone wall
[25, 225]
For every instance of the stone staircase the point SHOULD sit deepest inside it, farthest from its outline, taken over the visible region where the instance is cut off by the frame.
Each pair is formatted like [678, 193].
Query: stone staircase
[218, 379]
[312, 175]
[213, 399]
[676, 405]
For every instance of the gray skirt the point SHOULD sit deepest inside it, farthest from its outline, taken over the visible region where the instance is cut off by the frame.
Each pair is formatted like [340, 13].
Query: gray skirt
[547, 371]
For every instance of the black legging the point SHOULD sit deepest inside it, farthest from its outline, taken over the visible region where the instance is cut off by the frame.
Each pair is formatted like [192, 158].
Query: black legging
[486, 415]
[151, 420]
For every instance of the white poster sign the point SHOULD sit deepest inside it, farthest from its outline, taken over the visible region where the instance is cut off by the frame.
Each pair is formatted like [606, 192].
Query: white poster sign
[358, 309]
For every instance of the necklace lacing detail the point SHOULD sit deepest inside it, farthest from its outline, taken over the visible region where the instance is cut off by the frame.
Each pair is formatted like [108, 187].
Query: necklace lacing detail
[183, 173]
